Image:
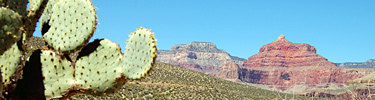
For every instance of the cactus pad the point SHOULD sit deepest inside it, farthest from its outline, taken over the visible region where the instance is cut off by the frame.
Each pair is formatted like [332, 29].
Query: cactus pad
[18, 6]
[1, 82]
[46, 16]
[72, 24]
[58, 74]
[100, 72]
[10, 32]
[35, 4]
[140, 53]
[9, 62]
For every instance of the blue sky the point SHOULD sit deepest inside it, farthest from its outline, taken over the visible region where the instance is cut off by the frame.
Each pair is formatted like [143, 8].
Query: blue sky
[341, 30]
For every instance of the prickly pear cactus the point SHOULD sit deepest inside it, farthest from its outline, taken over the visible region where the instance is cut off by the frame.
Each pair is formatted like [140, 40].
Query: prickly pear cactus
[35, 4]
[18, 6]
[100, 72]
[72, 24]
[15, 21]
[57, 73]
[1, 86]
[10, 33]
[101, 68]
[140, 53]
[9, 63]
[46, 16]
[67, 26]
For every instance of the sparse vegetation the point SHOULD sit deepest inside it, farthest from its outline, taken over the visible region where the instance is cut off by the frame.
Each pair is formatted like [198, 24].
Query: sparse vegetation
[166, 81]
[172, 82]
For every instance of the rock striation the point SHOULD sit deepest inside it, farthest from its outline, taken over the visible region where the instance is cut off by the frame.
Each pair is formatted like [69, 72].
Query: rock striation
[282, 64]
[199, 56]
[229, 71]
[282, 53]
[283, 78]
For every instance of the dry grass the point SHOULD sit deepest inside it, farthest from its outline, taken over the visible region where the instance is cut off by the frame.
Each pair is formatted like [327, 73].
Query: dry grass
[172, 82]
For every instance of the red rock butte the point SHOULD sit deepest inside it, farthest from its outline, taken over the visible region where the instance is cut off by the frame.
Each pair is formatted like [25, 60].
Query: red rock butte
[282, 53]
[282, 64]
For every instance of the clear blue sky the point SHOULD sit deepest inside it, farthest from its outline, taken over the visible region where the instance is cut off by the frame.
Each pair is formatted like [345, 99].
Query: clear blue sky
[341, 30]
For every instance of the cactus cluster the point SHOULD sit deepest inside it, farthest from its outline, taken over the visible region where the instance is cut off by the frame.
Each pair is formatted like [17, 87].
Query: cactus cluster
[67, 26]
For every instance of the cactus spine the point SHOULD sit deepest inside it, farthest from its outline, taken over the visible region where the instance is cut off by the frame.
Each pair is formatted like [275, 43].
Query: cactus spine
[67, 26]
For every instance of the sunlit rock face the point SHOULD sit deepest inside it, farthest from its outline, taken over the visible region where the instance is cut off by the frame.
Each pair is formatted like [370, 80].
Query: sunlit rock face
[368, 64]
[282, 53]
[282, 64]
[283, 78]
[199, 56]
[229, 71]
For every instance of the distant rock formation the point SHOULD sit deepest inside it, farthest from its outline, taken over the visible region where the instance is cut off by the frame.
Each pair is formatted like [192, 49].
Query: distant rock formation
[199, 56]
[282, 53]
[368, 64]
[229, 71]
[282, 64]
[283, 78]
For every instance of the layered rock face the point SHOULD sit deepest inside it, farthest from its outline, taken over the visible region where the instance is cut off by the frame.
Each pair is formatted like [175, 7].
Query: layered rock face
[229, 71]
[200, 56]
[283, 78]
[282, 64]
[282, 53]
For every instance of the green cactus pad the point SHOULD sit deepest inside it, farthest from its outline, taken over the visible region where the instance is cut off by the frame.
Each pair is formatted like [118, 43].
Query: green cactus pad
[9, 62]
[98, 68]
[140, 53]
[58, 74]
[1, 82]
[10, 32]
[46, 16]
[35, 4]
[72, 24]
[18, 6]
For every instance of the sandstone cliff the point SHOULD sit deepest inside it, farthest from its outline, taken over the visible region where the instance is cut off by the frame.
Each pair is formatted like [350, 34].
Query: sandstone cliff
[199, 56]
[229, 71]
[282, 53]
[283, 78]
[282, 64]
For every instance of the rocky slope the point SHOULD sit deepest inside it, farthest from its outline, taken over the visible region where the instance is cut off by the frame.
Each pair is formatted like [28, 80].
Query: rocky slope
[168, 82]
[282, 64]
[368, 64]
[199, 56]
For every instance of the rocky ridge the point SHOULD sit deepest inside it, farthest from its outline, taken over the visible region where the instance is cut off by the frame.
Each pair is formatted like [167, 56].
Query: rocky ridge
[368, 64]
[229, 71]
[199, 56]
[282, 64]
[282, 53]
[279, 66]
